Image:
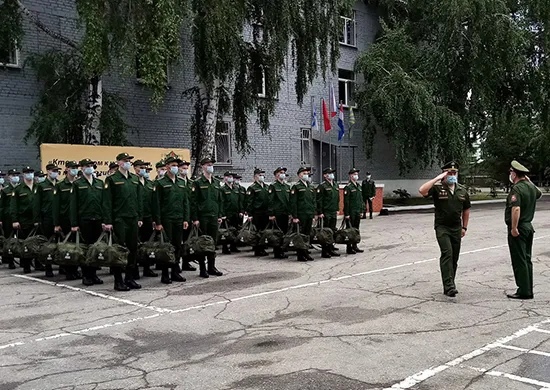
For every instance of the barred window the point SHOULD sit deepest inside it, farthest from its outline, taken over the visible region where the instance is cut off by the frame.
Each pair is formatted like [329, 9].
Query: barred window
[305, 145]
[222, 148]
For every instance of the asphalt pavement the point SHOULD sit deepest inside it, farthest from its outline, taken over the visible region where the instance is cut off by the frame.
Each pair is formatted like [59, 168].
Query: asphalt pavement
[375, 320]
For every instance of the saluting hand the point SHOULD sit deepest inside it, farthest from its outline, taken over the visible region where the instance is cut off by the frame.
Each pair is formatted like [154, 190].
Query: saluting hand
[442, 176]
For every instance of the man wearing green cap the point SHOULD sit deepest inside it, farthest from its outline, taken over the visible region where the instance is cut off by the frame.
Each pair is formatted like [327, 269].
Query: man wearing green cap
[257, 204]
[353, 206]
[22, 211]
[231, 206]
[328, 204]
[207, 211]
[368, 188]
[122, 207]
[171, 213]
[279, 205]
[7, 190]
[452, 215]
[161, 169]
[519, 213]
[86, 214]
[302, 207]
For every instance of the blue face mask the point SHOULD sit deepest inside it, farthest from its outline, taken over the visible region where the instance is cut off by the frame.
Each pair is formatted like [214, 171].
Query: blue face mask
[127, 165]
[29, 176]
[73, 171]
[42, 179]
[88, 171]
[210, 169]
[452, 179]
[14, 179]
[1, 181]
[54, 175]
[146, 175]
[142, 172]
[174, 170]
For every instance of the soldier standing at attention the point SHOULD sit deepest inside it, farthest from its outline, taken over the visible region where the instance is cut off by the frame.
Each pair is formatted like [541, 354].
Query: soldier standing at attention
[257, 204]
[369, 192]
[279, 205]
[86, 213]
[161, 169]
[43, 204]
[520, 211]
[207, 211]
[353, 206]
[328, 204]
[142, 170]
[242, 197]
[113, 167]
[22, 210]
[231, 207]
[171, 213]
[452, 215]
[302, 207]
[7, 190]
[184, 175]
[122, 207]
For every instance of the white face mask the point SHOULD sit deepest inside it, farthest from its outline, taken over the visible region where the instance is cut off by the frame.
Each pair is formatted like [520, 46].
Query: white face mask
[210, 169]
[229, 180]
[282, 176]
[162, 172]
[355, 177]
[330, 176]
[368, 177]
[305, 177]
[261, 178]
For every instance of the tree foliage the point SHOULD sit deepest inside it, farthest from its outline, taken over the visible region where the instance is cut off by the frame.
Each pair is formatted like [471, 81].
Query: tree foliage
[11, 24]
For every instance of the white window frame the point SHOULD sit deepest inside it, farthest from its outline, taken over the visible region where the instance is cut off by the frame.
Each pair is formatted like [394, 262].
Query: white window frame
[305, 138]
[264, 92]
[16, 55]
[347, 83]
[225, 133]
[347, 22]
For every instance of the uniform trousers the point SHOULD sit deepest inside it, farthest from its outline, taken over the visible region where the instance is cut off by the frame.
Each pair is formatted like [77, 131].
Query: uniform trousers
[520, 252]
[174, 231]
[282, 223]
[91, 230]
[126, 233]
[209, 226]
[449, 240]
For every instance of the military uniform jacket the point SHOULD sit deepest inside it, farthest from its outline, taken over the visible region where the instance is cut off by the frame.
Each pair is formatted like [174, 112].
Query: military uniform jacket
[22, 205]
[147, 198]
[448, 205]
[170, 201]
[328, 198]
[279, 199]
[231, 200]
[62, 201]
[122, 197]
[206, 199]
[523, 195]
[353, 199]
[5, 201]
[369, 189]
[43, 200]
[302, 200]
[242, 197]
[257, 198]
[86, 201]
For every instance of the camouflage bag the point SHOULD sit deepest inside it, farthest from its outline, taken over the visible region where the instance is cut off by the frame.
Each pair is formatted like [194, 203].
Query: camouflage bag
[103, 253]
[347, 235]
[158, 250]
[248, 236]
[12, 246]
[294, 240]
[272, 236]
[71, 253]
[200, 245]
[321, 235]
[226, 234]
[30, 246]
[46, 255]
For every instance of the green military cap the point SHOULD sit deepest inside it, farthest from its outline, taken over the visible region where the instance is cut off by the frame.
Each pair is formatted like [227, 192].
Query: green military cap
[228, 173]
[124, 156]
[303, 169]
[71, 164]
[160, 164]
[171, 159]
[140, 162]
[328, 170]
[258, 171]
[237, 176]
[113, 165]
[279, 169]
[516, 166]
[27, 170]
[451, 166]
[208, 160]
[40, 174]
[51, 167]
[183, 162]
[353, 170]
[86, 161]
[13, 172]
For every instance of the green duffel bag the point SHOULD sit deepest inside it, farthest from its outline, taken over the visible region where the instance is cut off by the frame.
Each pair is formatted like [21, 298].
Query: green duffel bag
[12, 246]
[104, 253]
[226, 234]
[157, 249]
[199, 245]
[294, 240]
[347, 235]
[248, 235]
[30, 246]
[46, 255]
[71, 253]
[272, 236]
[321, 235]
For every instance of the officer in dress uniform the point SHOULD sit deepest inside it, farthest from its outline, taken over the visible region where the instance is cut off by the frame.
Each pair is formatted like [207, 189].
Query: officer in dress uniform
[7, 190]
[353, 206]
[184, 175]
[257, 204]
[452, 215]
[22, 210]
[231, 205]
[207, 211]
[122, 207]
[302, 207]
[328, 204]
[86, 214]
[279, 205]
[369, 192]
[519, 213]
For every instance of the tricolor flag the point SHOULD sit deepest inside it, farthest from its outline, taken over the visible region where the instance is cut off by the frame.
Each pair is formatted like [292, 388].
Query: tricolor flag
[341, 123]
[326, 118]
[332, 101]
[314, 123]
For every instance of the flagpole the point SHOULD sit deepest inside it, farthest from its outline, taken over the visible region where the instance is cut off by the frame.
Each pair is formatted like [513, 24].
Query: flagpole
[321, 143]
[310, 149]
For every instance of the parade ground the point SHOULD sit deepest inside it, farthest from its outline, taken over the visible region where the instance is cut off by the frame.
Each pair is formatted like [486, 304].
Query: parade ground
[375, 320]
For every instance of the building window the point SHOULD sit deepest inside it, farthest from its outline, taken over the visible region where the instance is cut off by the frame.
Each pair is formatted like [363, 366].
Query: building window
[346, 87]
[349, 36]
[305, 145]
[261, 91]
[9, 56]
[222, 147]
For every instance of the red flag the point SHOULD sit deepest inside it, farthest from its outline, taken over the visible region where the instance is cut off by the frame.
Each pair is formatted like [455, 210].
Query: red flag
[326, 117]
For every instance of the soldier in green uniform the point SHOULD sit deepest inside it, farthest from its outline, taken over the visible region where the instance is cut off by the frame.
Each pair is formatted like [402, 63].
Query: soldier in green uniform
[85, 212]
[43, 205]
[520, 211]
[242, 197]
[257, 203]
[368, 188]
[207, 211]
[302, 207]
[22, 210]
[184, 175]
[353, 206]
[231, 205]
[328, 204]
[39, 177]
[171, 213]
[161, 169]
[142, 170]
[113, 167]
[279, 205]
[452, 215]
[122, 207]
[7, 190]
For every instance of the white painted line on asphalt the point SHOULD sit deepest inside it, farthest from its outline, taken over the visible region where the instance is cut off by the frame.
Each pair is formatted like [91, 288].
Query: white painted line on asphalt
[513, 377]
[543, 331]
[421, 376]
[96, 294]
[531, 351]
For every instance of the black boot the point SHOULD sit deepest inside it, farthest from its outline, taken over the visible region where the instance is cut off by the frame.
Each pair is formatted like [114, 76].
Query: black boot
[119, 283]
[38, 265]
[364, 216]
[11, 265]
[333, 254]
[225, 250]
[357, 250]
[49, 271]
[186, 266]
[62, 271]
[325, 254]
[176, 277]
[148, 272]
[26, 264]
[212, 267]
[165, 278]
[370, 216]
[301, 256]
[349, 250]
[93, 276]
[202, 266]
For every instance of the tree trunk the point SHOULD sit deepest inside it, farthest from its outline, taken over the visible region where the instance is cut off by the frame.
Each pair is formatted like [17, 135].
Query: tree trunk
[94, 107]
[211, 120]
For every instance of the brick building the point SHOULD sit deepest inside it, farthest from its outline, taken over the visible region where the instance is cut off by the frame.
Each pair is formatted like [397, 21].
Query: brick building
[290, 142]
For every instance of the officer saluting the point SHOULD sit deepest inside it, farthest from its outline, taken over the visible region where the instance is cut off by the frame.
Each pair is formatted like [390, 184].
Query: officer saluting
[328, 204]
[452, 214]
[353, 206]
[520, 210]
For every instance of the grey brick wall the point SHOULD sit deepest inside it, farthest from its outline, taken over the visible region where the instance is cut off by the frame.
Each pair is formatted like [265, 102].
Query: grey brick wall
[169, 126]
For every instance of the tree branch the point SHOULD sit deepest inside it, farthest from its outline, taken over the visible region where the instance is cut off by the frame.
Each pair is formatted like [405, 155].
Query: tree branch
[44, 28]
